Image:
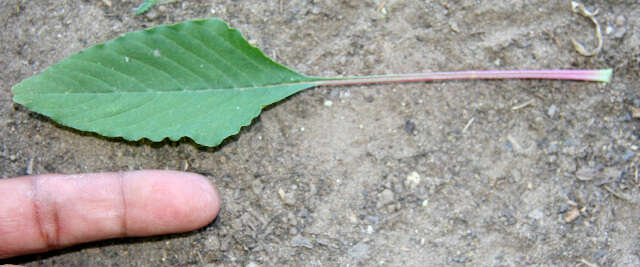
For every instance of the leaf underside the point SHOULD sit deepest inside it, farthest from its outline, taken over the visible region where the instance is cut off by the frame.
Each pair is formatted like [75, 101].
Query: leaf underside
[198, 79]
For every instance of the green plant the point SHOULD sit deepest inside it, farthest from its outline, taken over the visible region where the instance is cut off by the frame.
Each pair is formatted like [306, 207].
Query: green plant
[147, 4]
[199, 79]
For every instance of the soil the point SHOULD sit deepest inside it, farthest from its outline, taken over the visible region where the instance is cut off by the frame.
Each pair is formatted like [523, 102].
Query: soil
[483, 173]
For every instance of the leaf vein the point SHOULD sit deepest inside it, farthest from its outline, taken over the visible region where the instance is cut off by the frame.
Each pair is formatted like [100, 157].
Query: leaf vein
[238, 51]
[107, 69]
[226, 76]
[182, 85]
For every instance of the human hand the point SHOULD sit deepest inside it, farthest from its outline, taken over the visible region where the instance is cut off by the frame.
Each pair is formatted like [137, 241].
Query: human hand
[45, 212]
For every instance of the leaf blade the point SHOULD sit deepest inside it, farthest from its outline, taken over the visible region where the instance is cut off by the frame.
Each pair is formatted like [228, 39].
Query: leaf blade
[199, 79]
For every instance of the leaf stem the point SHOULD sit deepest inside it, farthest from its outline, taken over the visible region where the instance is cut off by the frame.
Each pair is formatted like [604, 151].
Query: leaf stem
[603, 75]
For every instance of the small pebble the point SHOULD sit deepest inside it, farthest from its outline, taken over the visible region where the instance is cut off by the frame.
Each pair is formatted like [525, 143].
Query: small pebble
[328, 103]
[257, 186]
[552, 111]
[585, 174]
[372, 219]
[369, 98]
[303, 213]
[359, 251]
[409, 127]
[620, 32]
[635, 112]
[536, 214]
[553, 148]
[460, 259]
[413, 179]
[628, 155]
[454, 26]
[571, 214]
[29, 170]
[620, 20]
[385, 198]
[612, 172]
[508, 146]
[600, 254]
[287, 198]
[608, 30]
[301, 241]
[212, 242]
[567, 164]
[151, 14]
[323, 242]
[369, 229]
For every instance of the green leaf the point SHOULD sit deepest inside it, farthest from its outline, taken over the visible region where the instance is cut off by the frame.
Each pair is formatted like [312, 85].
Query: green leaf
[198, 79]
[146, 5]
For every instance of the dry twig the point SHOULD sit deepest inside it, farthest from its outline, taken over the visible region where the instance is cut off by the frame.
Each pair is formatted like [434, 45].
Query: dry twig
[580, 9]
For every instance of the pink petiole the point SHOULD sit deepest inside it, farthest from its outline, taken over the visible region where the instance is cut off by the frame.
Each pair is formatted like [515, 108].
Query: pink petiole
[603, 75]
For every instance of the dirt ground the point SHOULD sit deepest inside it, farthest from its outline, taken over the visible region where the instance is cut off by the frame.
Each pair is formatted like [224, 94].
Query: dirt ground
[482, 173]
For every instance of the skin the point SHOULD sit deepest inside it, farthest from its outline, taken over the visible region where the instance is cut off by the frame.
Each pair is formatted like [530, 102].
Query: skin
[45, 212]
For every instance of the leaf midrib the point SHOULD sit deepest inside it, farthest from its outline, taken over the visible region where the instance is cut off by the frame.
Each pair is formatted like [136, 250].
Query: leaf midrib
[183, 91]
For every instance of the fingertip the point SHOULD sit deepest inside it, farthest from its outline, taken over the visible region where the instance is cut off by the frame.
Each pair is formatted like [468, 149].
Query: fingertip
[160, 202]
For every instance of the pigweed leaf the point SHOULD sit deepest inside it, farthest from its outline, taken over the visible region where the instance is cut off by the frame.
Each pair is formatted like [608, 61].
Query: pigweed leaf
[199, 79]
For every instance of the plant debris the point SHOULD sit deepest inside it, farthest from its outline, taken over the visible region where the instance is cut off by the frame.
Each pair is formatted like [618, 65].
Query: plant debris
[580, 9]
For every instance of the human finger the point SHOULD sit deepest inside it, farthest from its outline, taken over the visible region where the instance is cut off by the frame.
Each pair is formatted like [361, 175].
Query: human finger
[45, 212]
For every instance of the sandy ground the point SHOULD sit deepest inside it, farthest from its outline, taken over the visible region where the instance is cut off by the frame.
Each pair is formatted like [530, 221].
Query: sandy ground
[482, 173]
